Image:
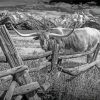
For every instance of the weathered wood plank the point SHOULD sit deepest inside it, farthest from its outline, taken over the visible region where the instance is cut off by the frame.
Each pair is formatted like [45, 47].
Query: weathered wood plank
[26, 88]
[27, 57]
[79, 69]
[5, 82]
[76, 55]
[12, 71]
[32, 57]
[10, 91]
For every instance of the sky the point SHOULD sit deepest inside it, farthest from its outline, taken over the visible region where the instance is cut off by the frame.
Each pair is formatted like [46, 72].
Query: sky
[13, 2]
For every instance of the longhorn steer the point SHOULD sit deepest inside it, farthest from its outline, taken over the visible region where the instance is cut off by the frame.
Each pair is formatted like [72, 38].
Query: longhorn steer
[79, 40]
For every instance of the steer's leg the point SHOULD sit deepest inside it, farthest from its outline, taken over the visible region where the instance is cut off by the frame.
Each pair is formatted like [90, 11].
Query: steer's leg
[59, 61]
[55, 51]
[89, 56]
[49, 58]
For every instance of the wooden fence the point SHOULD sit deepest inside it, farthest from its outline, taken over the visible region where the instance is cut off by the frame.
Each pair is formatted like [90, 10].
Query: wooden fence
[22, 84]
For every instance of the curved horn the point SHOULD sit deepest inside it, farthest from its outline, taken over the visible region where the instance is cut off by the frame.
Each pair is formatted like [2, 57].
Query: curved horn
[61, 36]
[24, 35]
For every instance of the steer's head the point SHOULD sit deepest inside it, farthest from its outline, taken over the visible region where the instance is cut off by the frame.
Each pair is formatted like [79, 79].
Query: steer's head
[44, 39]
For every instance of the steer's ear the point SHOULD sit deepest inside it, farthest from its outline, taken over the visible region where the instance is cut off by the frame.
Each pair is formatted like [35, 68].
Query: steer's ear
[36, 38]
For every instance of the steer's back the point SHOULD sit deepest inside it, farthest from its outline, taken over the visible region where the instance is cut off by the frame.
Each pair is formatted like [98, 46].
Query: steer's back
[82, 39]
[88, 37]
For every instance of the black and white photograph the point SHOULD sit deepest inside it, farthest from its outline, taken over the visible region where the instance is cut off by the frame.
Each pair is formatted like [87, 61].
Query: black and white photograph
[49, 50]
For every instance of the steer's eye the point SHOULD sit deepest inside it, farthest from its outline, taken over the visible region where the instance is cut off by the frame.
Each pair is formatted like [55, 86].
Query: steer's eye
[36, 38]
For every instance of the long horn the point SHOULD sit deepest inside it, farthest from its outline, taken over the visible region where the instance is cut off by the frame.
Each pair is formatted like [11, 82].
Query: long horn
[61, 36]
[24, 35]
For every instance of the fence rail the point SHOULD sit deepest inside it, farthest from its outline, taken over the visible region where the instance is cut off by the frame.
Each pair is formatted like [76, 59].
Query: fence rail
[32, 57]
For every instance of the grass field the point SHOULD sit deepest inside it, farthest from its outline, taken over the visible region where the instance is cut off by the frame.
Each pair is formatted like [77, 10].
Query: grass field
[85, 85]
